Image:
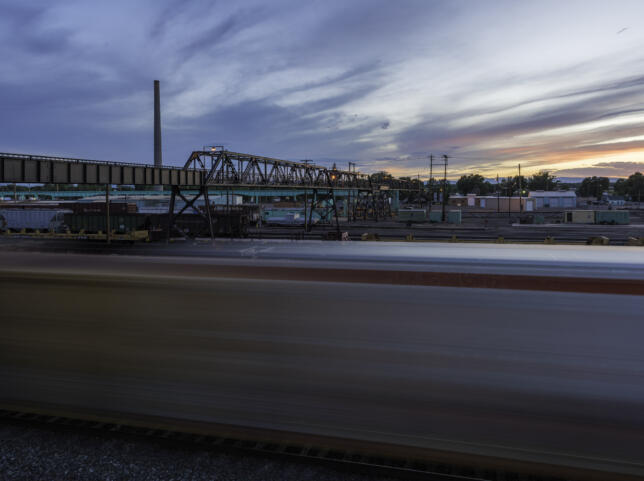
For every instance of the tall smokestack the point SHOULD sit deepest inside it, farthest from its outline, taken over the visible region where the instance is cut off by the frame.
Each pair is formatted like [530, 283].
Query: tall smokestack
[158, 162]
[157, 125]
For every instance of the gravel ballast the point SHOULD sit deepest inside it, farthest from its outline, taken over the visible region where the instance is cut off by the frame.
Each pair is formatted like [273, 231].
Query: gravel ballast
[37, 452]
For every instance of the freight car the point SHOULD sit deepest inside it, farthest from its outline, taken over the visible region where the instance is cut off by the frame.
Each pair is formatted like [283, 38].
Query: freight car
[224, 224]
[93, 223]
[31, 220]
[612, 217]
[620, 217]
[410, 216]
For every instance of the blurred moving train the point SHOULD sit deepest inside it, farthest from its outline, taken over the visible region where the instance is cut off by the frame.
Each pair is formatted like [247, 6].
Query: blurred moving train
[491, 352]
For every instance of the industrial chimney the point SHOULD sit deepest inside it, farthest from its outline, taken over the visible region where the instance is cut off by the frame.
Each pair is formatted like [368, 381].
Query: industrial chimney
[158, 162]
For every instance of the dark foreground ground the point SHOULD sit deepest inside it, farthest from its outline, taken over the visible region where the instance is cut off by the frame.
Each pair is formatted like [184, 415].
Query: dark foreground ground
[38, 452]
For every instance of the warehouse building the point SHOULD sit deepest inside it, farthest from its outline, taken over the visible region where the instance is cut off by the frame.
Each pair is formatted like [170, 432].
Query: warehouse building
[557, 199]
[492, 203]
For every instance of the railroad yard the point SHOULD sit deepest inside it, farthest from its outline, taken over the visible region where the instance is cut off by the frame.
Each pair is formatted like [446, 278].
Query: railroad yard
[129, 222]
[479, 227]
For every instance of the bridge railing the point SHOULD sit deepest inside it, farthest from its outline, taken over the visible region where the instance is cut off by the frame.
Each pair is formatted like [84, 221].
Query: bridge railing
[77, 161]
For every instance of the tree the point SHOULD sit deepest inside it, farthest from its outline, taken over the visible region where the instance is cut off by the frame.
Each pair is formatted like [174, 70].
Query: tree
[415, 183]
[381, 176]
[417, 190]
[621, 187]
[543, 181]
[633, 187]
[473, 184]
[511, 186]
[593, 187]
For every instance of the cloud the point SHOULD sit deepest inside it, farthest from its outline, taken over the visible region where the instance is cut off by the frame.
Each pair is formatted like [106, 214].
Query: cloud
[375, 82]
[605, 169]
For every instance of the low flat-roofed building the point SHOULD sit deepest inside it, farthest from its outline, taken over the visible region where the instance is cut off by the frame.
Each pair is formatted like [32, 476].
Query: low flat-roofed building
[553, 199]
[492, 203]
[613, 200]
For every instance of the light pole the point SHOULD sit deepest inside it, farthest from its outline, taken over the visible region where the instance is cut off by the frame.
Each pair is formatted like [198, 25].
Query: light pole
[445, 158]
[498, 195]
[306, 198]
[509, 180]
[352, 168]
[520, 187]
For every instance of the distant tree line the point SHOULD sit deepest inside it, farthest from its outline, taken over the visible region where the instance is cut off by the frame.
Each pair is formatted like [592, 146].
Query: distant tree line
[632, 188]
[593, 187]
[476, 184]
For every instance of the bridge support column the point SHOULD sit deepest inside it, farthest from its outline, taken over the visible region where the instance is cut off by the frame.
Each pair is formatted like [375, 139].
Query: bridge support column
[395, 201]
[314, 199]
[329, 214]
[189, 203]
[108, 224]
[335, 213]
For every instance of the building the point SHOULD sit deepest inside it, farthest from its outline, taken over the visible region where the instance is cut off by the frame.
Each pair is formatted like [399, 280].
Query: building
[556, 199]
[492, 203]
[613, 200]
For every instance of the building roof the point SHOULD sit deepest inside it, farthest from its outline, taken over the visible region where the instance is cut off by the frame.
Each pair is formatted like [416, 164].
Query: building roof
[552, 193]
[464, 197]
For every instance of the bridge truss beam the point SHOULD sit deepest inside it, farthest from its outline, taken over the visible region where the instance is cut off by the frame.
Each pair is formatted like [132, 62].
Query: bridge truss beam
[234, 168]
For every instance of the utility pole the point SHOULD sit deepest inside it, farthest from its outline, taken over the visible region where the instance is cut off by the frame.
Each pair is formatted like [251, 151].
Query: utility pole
[509, 179]
[352, 168]
[431, 181]
[445, 158]
[498, 194]
[306, 199]
[520, 188]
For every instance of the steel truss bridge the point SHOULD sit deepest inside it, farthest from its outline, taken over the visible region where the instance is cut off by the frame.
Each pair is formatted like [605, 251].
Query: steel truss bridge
[213, 168]
[244, 170]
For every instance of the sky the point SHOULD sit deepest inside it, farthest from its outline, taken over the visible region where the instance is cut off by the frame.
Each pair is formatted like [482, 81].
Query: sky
[550, 85]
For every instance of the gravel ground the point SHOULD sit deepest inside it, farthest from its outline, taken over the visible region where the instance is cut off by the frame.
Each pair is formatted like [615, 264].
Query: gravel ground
[41, 452]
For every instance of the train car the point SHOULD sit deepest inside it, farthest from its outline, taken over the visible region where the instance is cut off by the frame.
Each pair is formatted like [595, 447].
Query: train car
[579, 217]
[620, 217]
[16, 220]
[410, 216]
[92, 223]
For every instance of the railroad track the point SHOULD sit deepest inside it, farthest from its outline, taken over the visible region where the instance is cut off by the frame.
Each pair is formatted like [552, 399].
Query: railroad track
[440, 237]
[350, 455]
